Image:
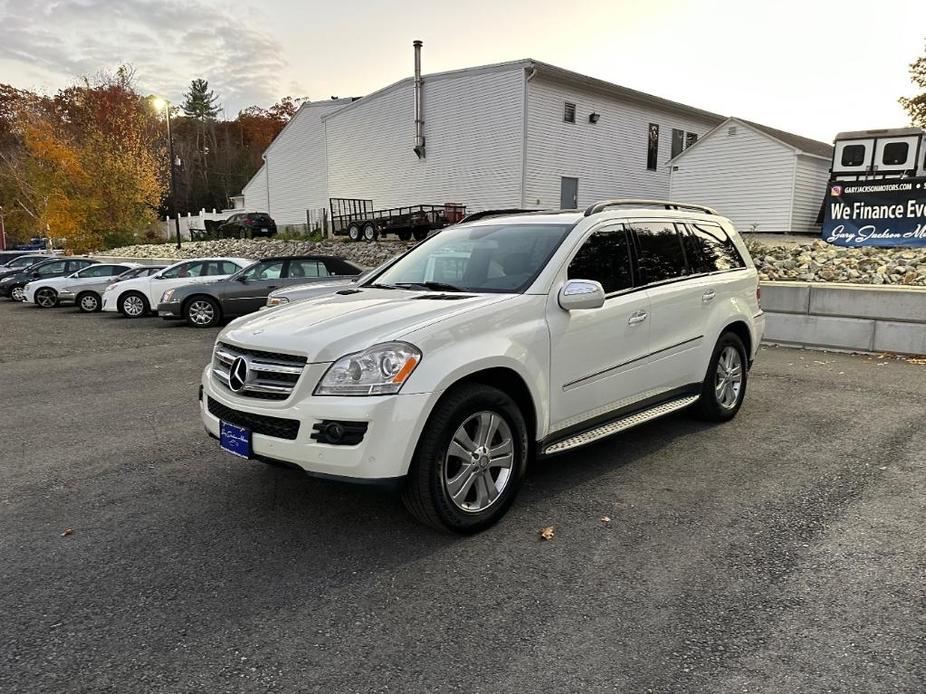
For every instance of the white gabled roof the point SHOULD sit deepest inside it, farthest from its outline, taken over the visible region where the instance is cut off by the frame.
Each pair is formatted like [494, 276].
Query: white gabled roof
[797, 143]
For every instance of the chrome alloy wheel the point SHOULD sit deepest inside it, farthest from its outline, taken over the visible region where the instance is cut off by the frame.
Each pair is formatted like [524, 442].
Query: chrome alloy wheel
[729, 379]
[477, 466]
[133, 306]
[89, 303]
[18, 294]
[201, 312]
[46, 298]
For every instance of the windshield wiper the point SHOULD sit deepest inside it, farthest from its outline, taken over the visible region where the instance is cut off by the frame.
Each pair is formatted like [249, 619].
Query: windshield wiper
[434, 286]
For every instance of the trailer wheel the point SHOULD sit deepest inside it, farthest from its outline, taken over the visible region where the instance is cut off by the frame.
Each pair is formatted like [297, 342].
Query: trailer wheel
[420, 234]
[404, 235]
[370, 232]
[353, 232]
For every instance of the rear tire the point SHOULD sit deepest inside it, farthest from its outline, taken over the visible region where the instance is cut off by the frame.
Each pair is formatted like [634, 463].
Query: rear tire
[202, 312]
[370, 232]
[134, 305]
[88, 302]
[724, 385]
[46, 297]
[404, 235]
[420, 234]
[353, 232]
[469, 460]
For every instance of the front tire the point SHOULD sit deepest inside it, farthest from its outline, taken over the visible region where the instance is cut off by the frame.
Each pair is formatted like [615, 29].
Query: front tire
[17, 294]
[202, 312]
[469, 461]
[89, 302]
[724, 385]
[46, 297]
[133, 305]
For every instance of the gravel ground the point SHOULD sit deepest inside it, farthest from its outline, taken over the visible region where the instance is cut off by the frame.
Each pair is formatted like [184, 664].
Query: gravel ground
[782, 552]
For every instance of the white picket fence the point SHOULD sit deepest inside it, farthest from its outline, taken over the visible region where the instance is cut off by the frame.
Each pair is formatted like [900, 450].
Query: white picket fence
[196, 222]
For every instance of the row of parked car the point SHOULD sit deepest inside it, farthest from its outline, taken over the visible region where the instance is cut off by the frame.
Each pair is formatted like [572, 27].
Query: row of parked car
[201, 291]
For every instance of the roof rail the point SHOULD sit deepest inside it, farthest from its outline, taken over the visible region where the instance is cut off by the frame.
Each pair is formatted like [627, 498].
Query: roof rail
[602, 205]
[473, 216]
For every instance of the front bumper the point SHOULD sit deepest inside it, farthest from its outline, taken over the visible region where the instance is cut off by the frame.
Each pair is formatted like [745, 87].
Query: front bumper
[170, 310]
[394, 425]
[109, 302]
[6, 288]
[29, 294]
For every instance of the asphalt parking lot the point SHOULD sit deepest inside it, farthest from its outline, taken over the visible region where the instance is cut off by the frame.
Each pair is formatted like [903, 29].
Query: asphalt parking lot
[782, 552]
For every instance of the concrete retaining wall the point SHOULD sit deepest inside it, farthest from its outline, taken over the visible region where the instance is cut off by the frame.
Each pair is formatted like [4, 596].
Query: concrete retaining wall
[863, 318]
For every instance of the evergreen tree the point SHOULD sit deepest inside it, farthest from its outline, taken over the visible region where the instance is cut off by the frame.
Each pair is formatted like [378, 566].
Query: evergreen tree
[916, 105]
[199, 102]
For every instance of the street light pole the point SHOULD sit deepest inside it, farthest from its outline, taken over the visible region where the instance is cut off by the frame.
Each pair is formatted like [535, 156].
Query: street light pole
[173, 187]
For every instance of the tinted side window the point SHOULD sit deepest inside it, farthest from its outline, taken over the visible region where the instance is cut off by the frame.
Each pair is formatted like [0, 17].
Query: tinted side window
[709, 249]
[604, 257]
[224, 267]
[51, 269]
[661, 254]
[307, 268]
[75, 265]
[853, 155]
[179, 271]
[895, 153]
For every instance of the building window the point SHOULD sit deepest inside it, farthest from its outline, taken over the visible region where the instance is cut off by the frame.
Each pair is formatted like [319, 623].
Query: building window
[569, 113]
[678, 142]
[652, 147]
[690, 139]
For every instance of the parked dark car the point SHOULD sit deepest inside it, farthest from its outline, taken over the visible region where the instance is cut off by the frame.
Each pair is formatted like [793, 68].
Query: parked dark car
[11, 286]
[20, 263]
[204, 305]
[247, 225]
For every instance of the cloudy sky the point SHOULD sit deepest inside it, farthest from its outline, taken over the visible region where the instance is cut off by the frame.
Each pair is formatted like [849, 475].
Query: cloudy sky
[813, 67]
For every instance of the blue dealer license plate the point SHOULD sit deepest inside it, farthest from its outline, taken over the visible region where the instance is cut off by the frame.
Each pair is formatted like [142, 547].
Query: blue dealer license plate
[236, 440]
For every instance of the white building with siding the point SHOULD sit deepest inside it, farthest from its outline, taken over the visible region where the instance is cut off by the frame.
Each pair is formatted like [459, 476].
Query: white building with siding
[525, 134]
[763, 179]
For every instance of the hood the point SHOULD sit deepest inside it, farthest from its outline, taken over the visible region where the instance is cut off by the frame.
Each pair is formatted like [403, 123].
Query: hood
[328, 327]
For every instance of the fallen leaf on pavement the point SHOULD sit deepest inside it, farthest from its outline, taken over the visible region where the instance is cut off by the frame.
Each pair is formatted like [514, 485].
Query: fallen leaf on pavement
[605, 519]
[546, 533]
[67, 531]
[916, 360]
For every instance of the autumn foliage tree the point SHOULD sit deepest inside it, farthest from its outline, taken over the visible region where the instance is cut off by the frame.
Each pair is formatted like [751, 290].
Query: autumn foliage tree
[916, 105]
[85, 165]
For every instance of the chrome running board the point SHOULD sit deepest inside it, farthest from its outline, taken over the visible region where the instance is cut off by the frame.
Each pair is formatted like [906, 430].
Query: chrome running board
[619, 425]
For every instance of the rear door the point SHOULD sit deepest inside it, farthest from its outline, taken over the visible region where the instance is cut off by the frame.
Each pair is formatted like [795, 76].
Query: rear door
[599, 357]
[676, 294]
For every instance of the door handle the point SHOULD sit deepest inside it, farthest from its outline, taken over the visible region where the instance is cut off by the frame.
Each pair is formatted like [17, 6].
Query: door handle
[636, 317]
[708, 296]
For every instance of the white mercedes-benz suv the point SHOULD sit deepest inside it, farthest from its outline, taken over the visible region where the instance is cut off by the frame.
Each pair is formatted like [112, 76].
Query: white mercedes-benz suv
[493, 342]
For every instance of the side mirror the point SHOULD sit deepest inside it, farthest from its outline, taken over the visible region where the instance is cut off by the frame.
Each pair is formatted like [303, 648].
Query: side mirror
[242, 279]
[581, 294]
[35, 274]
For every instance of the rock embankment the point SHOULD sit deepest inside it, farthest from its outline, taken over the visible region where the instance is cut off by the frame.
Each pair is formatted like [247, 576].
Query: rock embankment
[811, 262]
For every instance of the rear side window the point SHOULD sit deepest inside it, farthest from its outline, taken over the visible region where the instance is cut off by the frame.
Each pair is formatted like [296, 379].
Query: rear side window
[853, 155]
[51, 269]
[605, 258]
[709, 249]
[895, 153]
[661, 255]
[307, 268]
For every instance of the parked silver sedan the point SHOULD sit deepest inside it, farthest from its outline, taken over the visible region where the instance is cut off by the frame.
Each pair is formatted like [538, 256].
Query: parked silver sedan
[87, 295]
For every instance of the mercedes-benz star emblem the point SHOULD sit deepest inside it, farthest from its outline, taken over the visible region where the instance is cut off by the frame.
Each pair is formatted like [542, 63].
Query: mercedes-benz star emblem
[238, 374]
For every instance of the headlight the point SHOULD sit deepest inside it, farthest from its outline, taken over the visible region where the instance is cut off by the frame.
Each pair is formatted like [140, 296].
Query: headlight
[167, 296]
[276, 300]
[379, 370]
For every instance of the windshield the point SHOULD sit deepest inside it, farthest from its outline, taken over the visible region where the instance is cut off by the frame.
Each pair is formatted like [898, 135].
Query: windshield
[484, 258]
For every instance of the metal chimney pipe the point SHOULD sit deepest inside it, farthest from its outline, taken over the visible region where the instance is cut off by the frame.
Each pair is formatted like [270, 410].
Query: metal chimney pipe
[419, 121]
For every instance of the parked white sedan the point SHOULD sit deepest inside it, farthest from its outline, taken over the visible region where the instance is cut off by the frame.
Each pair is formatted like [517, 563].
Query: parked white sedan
[138, 297]
[45, 293]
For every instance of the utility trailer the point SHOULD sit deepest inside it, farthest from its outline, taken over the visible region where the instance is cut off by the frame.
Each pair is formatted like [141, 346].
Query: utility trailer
[358, 220]
[876, 195]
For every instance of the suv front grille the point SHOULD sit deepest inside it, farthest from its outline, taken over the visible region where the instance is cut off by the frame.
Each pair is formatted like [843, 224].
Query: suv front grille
[258, 423]
[270, 375]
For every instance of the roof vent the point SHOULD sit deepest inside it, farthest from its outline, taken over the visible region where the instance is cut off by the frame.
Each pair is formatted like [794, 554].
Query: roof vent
[731, 130]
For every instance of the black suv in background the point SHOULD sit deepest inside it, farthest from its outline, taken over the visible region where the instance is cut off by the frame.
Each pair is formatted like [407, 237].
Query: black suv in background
[247, 225]
[12, 285]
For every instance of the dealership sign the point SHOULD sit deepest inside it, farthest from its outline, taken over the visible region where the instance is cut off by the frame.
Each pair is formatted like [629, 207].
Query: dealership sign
[876, 213]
